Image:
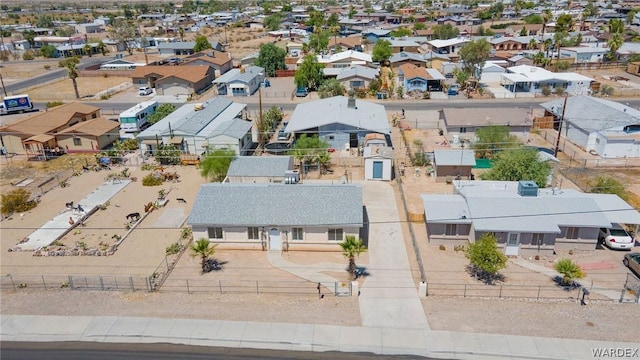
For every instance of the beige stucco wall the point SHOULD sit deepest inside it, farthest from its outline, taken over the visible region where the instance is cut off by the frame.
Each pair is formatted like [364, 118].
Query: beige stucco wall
[13, 144]
[86, 143]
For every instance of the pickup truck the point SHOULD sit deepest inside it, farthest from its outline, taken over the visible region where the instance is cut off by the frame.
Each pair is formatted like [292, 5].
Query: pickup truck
[302, 91]
[453, 89]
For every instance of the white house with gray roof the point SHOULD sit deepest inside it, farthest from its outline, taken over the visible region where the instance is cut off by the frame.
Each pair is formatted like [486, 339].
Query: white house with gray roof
[340, 121]
[357, 77]
[197, 128]
[606, 128]
[525, 219]
[240, 82]
[259, 169]
[532, 80]
[277, 216]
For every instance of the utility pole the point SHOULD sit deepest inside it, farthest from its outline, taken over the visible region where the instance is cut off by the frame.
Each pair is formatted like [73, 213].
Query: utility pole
[261, 136]
[564, 107]
[4, 88]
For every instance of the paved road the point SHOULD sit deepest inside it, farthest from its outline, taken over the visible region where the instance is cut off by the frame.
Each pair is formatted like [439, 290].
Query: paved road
[83, 351]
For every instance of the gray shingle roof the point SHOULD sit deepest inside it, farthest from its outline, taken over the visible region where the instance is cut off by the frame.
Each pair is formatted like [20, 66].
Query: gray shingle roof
[334, 110]
[359, 71]
[454, 157]
[403, 55]
[235, 204]
[259, 165]
[592, 114]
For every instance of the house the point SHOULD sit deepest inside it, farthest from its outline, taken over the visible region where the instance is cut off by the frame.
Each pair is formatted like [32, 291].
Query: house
[491, 72]
[398, 59]
[376, 34]
[294, 49]
[91, 135]
[120, 64]
[340, 121]
[414, 78]
[400, 45]
[272, 217]
[220, 61]
[182, 48]
[510, 43]
[197, 128]
[345, 43]
[529, 30]
[259, 169]
[526, 220]
[357, 77]
[240, 82]
[174, 80]
[532, 80]
[378, 163]
[519, 60]
[435, 60]
[35, 134]
[89, 28]
[453, 164]
[450, 46]
[343, 59]
[465, 123]
[583, 54]
[606, 128]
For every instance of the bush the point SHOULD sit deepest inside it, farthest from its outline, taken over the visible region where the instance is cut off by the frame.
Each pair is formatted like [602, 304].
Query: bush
[47, 67]
[559, 90]
[173, 249]
[28, 55]
[569, 271]
[17, 200]
[546, 90]
[51, 104]
[151, 180]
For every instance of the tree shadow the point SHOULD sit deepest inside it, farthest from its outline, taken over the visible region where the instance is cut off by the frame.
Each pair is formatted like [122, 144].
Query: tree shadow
[485, 277]
[213, 265]
[566, 286]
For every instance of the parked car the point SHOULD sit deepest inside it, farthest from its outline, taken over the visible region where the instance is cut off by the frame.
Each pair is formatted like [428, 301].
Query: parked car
[453, 89]
[632, 261]
[144, 91]
[616, 238]
[282, 134]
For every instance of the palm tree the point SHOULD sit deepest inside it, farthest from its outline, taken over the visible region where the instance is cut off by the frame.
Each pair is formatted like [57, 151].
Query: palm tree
[569, 271]
[203, 249]
[181, 33]
[538, 59]
[352, 247]
[614, 43]
[547, 44]
[72, 70]
[87, 49]
[546, 17]
[532, 44]
[102, 48]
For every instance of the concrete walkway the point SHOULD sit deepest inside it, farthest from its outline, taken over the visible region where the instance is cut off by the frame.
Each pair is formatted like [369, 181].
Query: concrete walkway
[312, 272]
[57, 226]
[389, 295]
[610, 294]
[303, 337]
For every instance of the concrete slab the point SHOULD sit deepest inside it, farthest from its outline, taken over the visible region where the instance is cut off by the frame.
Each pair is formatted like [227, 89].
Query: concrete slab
[160, 328]
[325, 337]
[129, 326]
[553, 348]
[302, 339]
[404, 341]
[183, 328]
[171, 217]
[13, 326]
[99, 327]
[360, 339]
[54, 327]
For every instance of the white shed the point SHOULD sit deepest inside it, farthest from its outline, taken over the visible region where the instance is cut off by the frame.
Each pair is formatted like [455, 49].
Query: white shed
[378, 163]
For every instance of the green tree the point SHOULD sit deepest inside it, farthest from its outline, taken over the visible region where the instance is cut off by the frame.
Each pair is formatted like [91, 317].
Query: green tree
[333, 20]
[539, 58]
[48, 51]
[308, 149]
[445, 32]
[201, 43]
[519, 164]
[87, 49]
[474, 54]
[609, 185]
[272, 22]
[319, 40]
[65, 31]
[569, 271]
[564, 24]
[309, 73]
[485, 259]
[533, 19]
[161, 112]
[124, 32]
[547, 15]
[102, 48]
[381, 51]
[352, 247]
[17, 200]
[72, 71]
[533, 44]
[216, 164]
[167, 155]
[271, 58]
[400, 32]
[29, 35]
[330, 88]
[419, 26]
[616, 27]
[203, 249]
[493, 138]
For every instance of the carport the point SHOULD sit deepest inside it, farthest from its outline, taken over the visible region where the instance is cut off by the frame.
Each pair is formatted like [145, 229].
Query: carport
[618, 211]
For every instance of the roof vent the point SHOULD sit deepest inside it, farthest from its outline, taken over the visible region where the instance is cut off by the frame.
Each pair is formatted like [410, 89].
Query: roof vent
[527, 188]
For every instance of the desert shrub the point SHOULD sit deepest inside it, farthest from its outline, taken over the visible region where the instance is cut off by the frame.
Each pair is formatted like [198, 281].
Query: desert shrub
[546, 90]
[173, 249]
[559, 90]
[47, 67]
[151, 180]
[17, 200]
[28, 55]
[51, 104]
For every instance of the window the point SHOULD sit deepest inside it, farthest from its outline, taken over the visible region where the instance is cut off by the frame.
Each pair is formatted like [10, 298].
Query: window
[451, 229]
[77, 141]
[215, 233]
[297, 234]
[537, 239]
[254, 233]
[572, 233]
[335, 235]
[463, 130]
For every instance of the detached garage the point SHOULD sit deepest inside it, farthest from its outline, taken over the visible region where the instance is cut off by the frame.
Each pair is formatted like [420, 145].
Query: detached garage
[378, 163]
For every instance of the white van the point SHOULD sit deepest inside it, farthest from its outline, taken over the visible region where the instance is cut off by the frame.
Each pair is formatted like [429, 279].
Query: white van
[145, 90]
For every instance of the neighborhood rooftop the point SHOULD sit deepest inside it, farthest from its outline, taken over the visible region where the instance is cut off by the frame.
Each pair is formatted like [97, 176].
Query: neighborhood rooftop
[239, 204]
[257, 166]
[593, 114]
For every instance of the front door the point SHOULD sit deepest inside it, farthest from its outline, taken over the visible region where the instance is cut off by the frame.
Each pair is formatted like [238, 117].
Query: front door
[513, 244]
[274, 239]
[377, 169]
